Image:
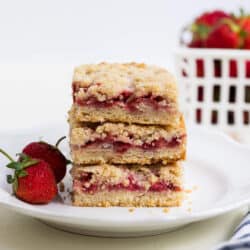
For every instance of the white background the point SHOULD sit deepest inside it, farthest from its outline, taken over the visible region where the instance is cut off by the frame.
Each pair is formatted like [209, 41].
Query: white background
[41, 41]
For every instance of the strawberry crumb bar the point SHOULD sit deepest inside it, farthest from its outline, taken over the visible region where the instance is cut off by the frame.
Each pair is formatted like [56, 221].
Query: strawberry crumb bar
[127, 185]
[131, 93]
[120, 143]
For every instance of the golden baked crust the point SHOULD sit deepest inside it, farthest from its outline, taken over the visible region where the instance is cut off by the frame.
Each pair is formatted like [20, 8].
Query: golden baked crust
[128, 199]
[84, 150]
[137, 105]
[118, 173]
[147, 116]
[128, 133]
[97, 155]
[112, 175]
[107, 80]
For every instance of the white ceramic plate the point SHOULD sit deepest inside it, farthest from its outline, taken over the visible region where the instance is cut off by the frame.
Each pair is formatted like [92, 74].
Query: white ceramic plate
[217, 171]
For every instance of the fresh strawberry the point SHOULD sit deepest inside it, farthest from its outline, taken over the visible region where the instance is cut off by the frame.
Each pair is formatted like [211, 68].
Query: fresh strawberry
[224, 35]
[51, 154]
[33, 180]
[247, 43]
[203, 25]
[196, 43]
[244, 23]
[211, 18]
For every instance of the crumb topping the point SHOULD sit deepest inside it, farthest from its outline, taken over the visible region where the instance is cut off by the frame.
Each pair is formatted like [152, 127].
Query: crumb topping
[105, 81]
[132, 134]
[143, 176]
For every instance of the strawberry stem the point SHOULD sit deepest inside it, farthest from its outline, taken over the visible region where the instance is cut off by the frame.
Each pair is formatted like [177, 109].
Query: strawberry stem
[59, 141]
[68, 161]
[242, 12]
[6, 155]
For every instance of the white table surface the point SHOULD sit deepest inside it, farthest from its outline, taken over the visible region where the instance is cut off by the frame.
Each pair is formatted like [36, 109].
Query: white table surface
[24, 233]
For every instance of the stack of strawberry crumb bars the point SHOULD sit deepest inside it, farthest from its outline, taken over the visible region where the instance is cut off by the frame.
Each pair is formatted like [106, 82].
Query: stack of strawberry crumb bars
[127, 136]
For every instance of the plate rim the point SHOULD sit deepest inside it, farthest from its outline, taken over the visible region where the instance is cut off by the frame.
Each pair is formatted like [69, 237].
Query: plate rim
[35, 211]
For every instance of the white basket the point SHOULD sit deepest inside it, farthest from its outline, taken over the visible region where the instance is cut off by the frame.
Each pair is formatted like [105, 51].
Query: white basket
[214, 87]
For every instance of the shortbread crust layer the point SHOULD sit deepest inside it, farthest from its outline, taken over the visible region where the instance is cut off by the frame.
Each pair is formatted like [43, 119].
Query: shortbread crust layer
[134, 93]
[127, 185]
[120, 143]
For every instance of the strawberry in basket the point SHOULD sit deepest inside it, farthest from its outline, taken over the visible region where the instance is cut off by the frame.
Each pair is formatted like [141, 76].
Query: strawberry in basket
[203, 25]
[244, 23]
[221, 30]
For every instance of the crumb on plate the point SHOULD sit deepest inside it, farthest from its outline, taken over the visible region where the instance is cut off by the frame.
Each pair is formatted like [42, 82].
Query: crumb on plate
[188, 191]
[61, 187]
[165, 210]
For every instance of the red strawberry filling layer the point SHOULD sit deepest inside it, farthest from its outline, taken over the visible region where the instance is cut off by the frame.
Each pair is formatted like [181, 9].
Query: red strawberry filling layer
[132, 185]
[110, 142]
[126, 100]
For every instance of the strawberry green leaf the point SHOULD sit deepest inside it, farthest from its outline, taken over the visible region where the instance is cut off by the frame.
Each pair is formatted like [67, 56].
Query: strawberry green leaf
[15, 184]
[14, 165]
[18, 167]
[30, 163]
[23, 157]
[26, 161]
[10, 179]
[6, 155]
[200, 29]
[232, 25]
[242, 12]
[243, 33]
[22, 173]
